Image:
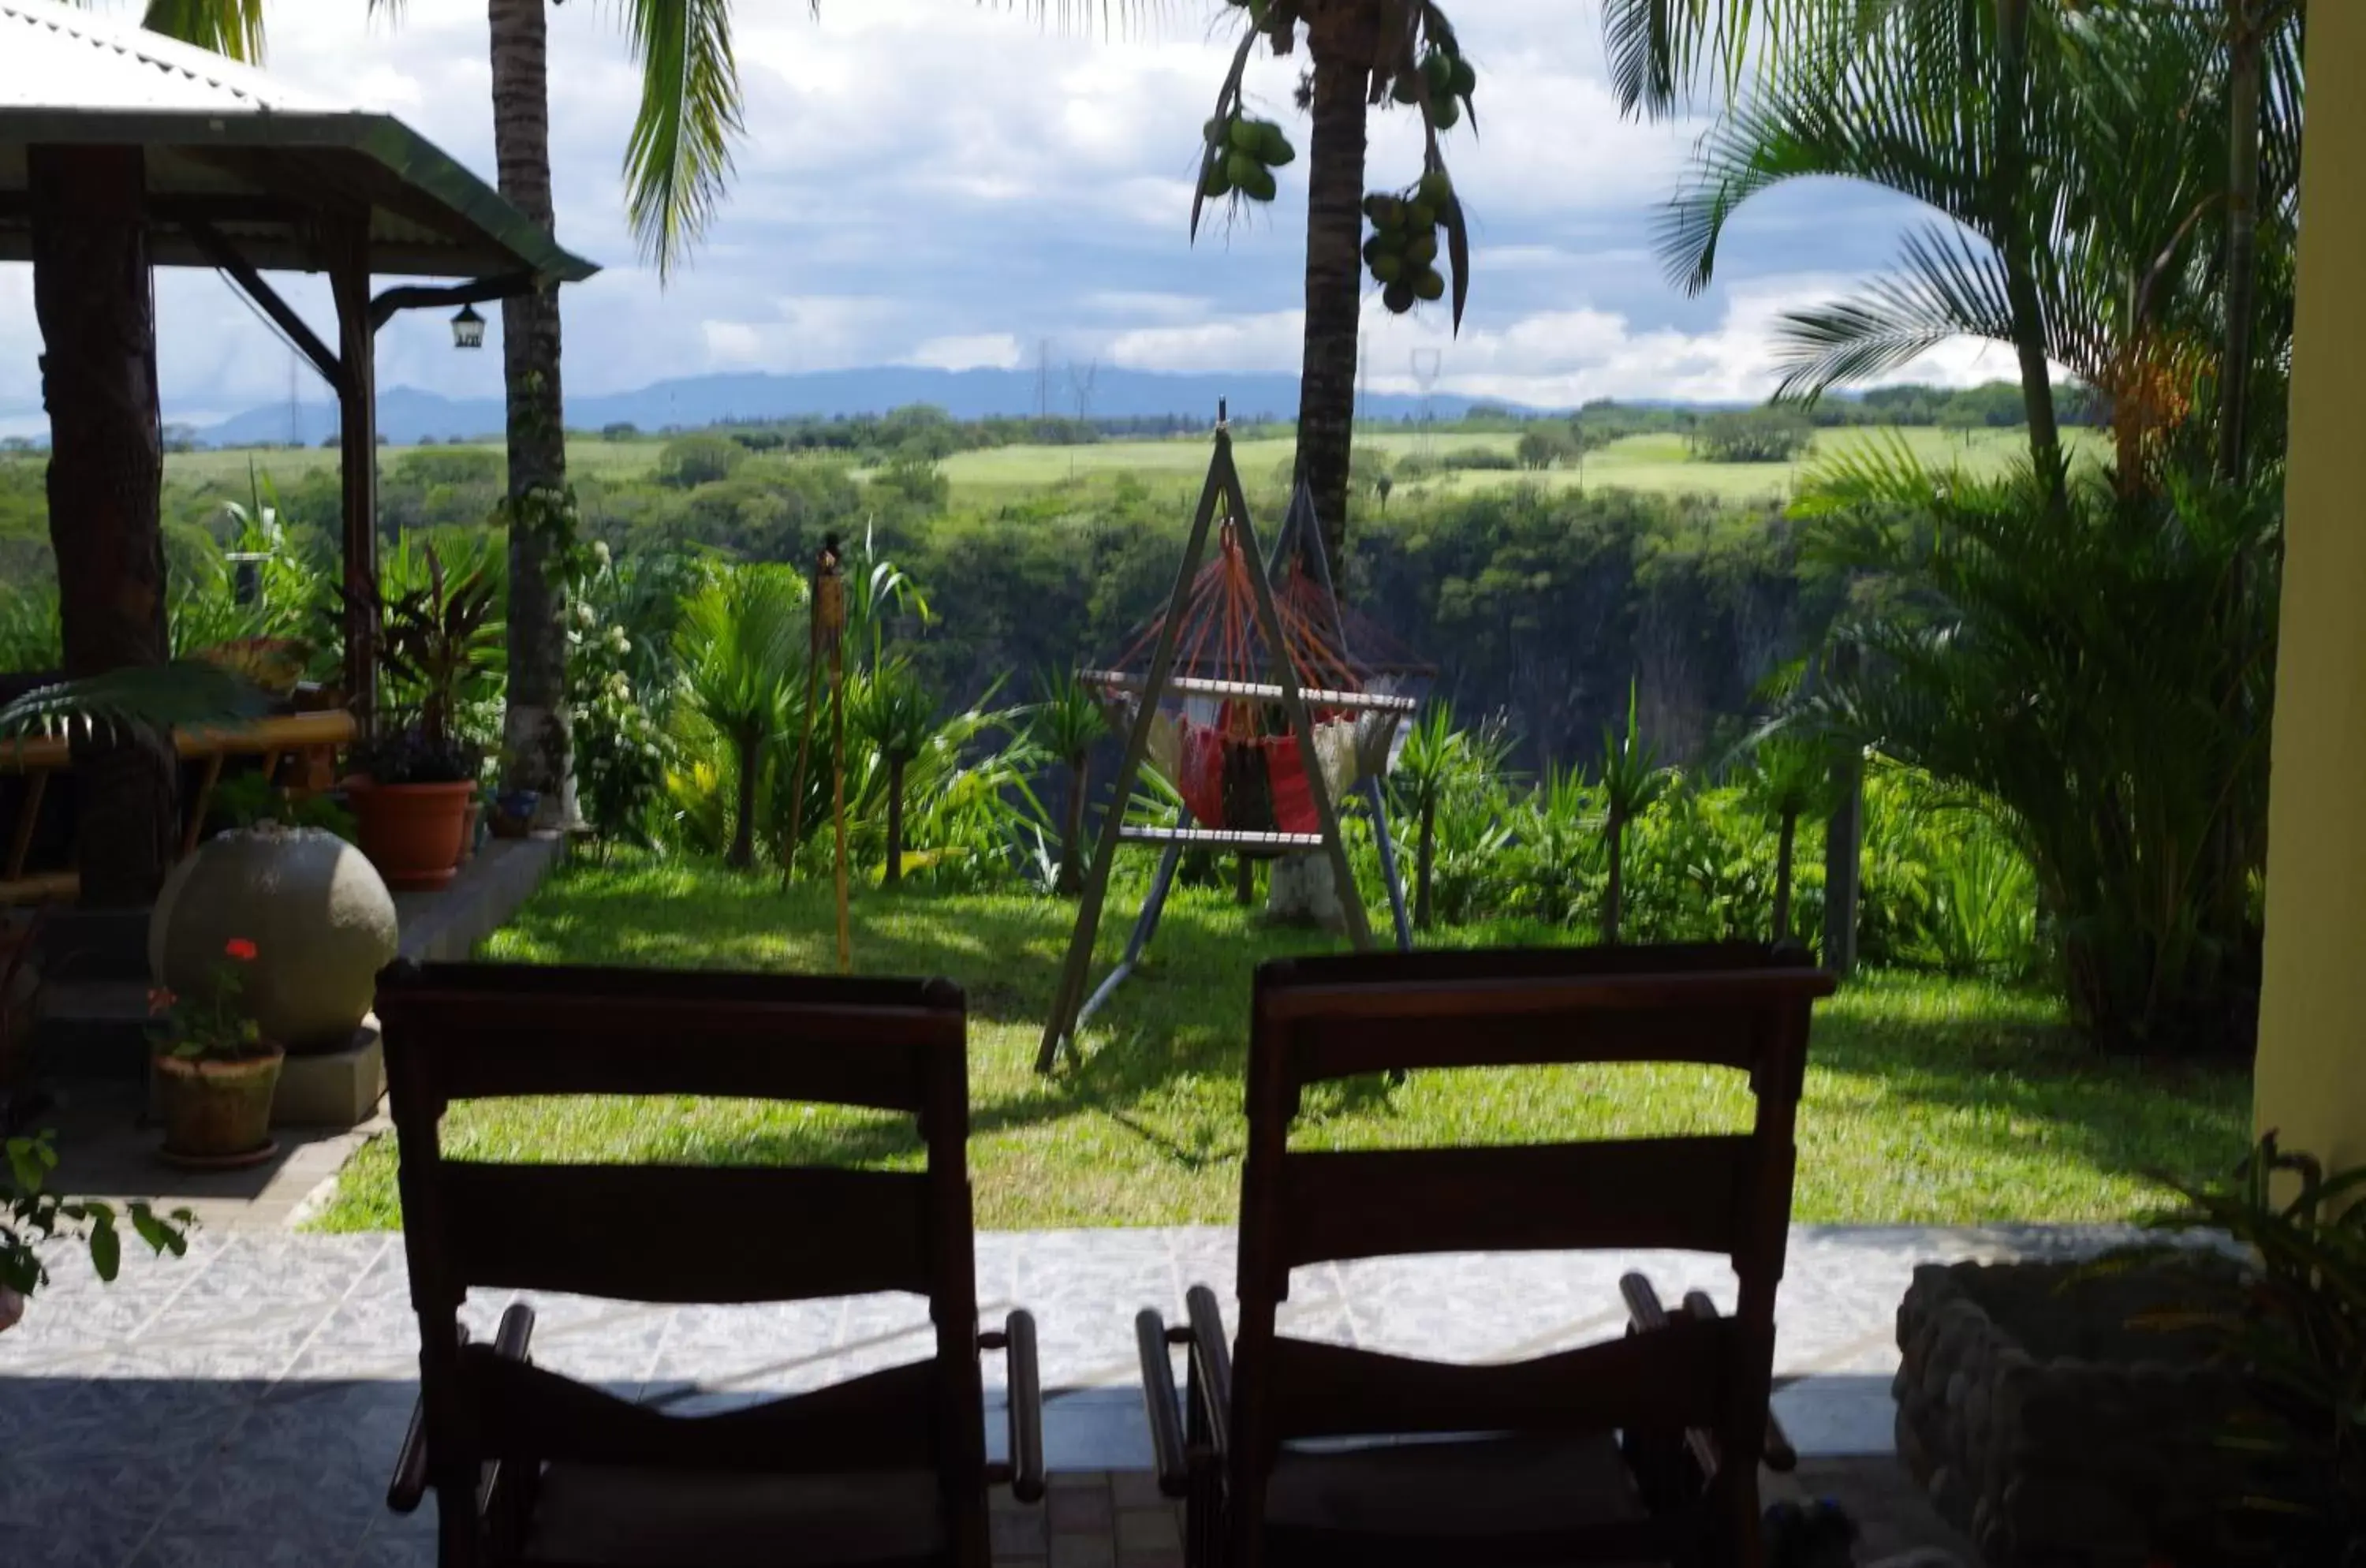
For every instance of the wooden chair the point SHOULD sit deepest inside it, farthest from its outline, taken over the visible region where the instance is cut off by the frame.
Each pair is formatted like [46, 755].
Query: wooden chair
[1295, 1453]
[530, 1467]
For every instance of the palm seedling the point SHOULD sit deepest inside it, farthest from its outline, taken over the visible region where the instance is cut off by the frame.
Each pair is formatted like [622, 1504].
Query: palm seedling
[742, 647]
[1632, 782]
[1066, 721]
[1434, 755]
[1790, 776]
[897, 715]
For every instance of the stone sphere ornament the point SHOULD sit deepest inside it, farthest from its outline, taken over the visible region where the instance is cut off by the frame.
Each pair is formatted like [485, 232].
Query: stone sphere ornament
[321, 918]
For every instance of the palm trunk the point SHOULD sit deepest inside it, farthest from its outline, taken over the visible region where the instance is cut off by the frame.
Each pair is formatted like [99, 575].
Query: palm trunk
[1784, 843]
[894, 876]
[1343, 49]
[1614, 894]
[2243, 89]
[1070, 883]
[91, 297]
[536, 749]
[743, 826]
[1424, 856]
[2014, 242]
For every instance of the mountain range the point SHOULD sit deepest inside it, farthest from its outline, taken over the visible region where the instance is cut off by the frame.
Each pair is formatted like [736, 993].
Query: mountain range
[406, 415]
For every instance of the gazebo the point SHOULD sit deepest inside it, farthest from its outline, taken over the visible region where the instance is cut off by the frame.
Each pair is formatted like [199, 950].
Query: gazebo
[121, 151]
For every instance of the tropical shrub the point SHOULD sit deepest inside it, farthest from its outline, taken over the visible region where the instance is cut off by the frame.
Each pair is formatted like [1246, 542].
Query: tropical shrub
[613, 677]
[742, 648]
[2099, 675]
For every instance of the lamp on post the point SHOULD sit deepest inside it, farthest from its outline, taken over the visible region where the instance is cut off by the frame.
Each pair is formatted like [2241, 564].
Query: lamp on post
[468, 329]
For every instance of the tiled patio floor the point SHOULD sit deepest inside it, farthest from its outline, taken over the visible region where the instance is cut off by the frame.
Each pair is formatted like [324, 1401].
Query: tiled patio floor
[244, 1404]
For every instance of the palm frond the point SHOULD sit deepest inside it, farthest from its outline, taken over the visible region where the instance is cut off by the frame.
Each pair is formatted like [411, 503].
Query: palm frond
[231, 27]
[678, 159]
[186, 693]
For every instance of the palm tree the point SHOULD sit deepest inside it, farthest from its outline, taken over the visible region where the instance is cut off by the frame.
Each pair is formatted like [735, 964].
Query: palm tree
[2074, 183]
[1632, 782]
[897, 715]
[1790, 776]
[1364, 53]
[742, 650]
[1066, 721]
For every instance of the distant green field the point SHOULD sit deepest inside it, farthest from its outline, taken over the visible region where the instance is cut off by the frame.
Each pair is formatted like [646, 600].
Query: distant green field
[1661, 464]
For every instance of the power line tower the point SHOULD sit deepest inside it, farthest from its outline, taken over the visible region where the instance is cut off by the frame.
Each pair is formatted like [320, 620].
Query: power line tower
[1080, 382]
[1426, 364]
[1043, 378]
[295, 409]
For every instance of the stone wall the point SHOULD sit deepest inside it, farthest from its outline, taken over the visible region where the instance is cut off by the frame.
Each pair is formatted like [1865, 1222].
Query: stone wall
[2053, 1431]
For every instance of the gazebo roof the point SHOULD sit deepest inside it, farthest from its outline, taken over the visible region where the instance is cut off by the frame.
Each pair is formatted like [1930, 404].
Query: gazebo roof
[251, 159]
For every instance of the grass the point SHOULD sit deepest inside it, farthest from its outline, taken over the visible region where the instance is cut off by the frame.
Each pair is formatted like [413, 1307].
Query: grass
[1928, 1101]
[1659, 464]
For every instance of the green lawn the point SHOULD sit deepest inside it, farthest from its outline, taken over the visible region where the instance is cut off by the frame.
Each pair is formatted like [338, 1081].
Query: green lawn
[1928, 1100]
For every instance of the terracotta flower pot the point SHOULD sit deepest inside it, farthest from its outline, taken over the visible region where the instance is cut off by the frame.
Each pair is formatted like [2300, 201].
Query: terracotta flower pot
[217, 1112]
[412, 833]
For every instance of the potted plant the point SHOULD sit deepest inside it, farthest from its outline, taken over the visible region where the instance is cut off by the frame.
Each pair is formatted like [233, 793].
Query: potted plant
[413, 783]
[215, 1071]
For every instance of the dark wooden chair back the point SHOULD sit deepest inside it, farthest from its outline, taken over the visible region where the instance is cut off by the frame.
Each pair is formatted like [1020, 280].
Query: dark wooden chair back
[1728, 1005]
[686, 1234]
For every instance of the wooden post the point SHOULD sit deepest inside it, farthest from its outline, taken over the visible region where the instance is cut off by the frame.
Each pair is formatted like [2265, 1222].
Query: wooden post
[1070, 992]
[349, 284]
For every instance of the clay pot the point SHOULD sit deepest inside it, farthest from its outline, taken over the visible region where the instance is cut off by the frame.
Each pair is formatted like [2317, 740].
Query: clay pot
[321, 918]
[411, 832]
[217, 1112]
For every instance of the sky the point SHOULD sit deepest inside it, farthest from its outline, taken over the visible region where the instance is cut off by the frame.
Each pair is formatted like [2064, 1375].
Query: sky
[935, 182]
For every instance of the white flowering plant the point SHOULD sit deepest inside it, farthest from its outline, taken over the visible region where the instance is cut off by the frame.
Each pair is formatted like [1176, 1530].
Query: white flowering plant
[613, 679]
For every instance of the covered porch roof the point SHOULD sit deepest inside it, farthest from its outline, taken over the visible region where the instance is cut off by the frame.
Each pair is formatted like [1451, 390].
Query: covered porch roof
[257, 162]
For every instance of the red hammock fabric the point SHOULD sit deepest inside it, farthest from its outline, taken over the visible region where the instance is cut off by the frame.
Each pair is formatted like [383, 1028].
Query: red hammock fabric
[1257, 785]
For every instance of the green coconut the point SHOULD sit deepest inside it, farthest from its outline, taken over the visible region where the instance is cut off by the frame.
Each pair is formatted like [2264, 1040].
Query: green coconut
[1242, 167]
[1215, 182]
[1422, 248]
[1429, 284]
[1464, 80]
[1259, 185]
[1408, 88]
[1247, 137]
[1276, 149]
[1437, 191]
[1420, 217]
[1445, 113]
[1387, 267]
[1397, 297]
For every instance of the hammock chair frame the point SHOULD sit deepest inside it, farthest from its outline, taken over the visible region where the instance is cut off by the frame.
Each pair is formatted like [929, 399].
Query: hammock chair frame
[1222, 495]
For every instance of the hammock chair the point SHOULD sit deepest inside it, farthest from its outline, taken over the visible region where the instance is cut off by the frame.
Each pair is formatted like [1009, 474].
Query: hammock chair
[1259, 748]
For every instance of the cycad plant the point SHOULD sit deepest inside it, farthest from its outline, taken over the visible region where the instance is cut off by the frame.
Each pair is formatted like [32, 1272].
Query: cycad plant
[1632, 782]
[1066, 721]
[896, 713]
[1789, 777]
[742, 647]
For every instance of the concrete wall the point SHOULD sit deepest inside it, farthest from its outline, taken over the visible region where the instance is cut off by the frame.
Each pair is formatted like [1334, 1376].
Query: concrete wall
[2312, 1064]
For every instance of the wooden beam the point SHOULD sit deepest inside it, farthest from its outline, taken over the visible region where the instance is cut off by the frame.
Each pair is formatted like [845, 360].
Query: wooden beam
[1285, 675]
[414, 297]
[218, 249]
[1070, 995]
[349, 282]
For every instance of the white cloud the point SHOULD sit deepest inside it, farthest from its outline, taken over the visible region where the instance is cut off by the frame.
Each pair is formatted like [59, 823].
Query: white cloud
[942, 181]
[979, 351]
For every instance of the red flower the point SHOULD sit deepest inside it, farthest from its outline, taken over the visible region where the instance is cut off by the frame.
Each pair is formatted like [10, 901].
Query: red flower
[159, 1001]
[238, 947]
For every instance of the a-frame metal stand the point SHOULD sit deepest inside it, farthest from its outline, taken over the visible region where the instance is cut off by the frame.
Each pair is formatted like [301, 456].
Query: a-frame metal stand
[1222, 495]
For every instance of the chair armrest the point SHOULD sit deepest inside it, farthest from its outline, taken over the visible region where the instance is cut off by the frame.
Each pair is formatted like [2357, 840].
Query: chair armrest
[1777, 1453]
[409, 1487]
[1017, 1341]
[1159, 1405]
[1211, 1359]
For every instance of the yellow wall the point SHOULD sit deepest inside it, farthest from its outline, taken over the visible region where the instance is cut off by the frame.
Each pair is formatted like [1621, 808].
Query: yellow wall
[2311, 1067]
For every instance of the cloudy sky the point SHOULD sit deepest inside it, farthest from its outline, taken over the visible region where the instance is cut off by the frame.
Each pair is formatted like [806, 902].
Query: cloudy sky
[937, 182]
